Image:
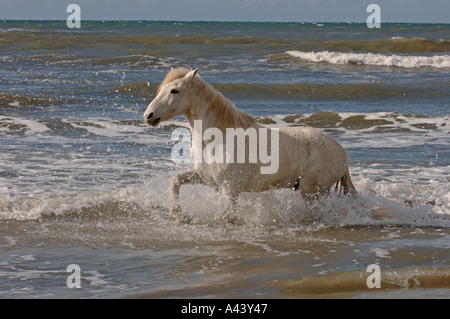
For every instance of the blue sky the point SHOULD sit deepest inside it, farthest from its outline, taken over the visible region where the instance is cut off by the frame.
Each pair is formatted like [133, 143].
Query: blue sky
[433, 11]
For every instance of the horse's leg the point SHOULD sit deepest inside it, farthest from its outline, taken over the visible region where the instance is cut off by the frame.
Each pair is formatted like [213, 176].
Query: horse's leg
[229, 215]
[189, 177]
[347, 185]
[308, 187]
[311, 186]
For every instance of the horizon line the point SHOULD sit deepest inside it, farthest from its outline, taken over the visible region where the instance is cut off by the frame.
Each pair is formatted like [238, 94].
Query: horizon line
[219, 21]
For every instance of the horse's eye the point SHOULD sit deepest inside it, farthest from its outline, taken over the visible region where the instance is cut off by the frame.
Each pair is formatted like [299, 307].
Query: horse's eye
[174, 91]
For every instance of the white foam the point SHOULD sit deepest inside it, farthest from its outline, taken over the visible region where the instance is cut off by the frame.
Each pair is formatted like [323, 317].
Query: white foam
[403, 199]
[31, 126]
[15, 30]
[381, 253]
[107, 128]
[15, 104]
[376, 59]
[403, 131]
[409, 195]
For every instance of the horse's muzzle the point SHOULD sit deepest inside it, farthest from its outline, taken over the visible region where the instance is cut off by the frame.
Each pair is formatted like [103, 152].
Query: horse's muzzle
[152, 120]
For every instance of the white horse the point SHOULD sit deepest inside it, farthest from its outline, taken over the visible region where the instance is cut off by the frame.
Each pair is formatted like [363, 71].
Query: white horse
[309, 160]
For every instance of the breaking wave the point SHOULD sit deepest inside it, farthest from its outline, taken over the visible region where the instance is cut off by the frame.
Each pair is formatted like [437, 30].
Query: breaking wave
[355, 281]
[373, 59]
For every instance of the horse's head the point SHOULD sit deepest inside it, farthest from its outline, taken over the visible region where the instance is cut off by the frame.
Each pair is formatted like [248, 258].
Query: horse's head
[172, 98]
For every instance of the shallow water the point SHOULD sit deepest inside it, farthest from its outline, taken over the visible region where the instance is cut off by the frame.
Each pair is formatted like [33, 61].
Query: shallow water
[83, 181]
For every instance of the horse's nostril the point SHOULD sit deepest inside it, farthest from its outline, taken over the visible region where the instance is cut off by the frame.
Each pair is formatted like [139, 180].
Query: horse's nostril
[150, 115]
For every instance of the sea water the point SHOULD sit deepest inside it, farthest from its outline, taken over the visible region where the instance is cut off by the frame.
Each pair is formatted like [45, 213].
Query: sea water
[83, 181]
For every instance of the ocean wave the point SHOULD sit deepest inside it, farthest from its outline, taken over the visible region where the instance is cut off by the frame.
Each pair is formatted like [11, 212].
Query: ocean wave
[373, 59]
[355, 281]
[22, 126]
[67, 130]
[299, 91]
[16, 101]
[379, 203]
[395, 130]
[140, 60]
[58, 40]
[392, 45]
[394, 191]
[364, 122]
[69, 60]
[368, 130]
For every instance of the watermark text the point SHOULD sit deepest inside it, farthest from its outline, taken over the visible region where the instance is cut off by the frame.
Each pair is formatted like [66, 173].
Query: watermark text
[374, 280]
[74, 19]
[74, 280]
[373, 20]
[251, 145]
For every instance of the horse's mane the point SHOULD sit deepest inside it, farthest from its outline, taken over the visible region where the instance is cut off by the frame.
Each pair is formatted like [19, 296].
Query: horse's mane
[173, 75]
[225, 113]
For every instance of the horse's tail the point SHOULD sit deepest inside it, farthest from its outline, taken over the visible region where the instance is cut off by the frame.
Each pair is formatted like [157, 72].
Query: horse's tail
[346, 184]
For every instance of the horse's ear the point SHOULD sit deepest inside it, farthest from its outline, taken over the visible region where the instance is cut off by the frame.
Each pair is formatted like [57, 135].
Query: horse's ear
[190, 75]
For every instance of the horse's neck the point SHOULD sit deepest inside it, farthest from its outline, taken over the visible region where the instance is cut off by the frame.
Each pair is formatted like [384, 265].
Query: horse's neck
[221, 117]
[199, 114]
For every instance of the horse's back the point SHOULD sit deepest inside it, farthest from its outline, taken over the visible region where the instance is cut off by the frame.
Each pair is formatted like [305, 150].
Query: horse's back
[313, 140]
